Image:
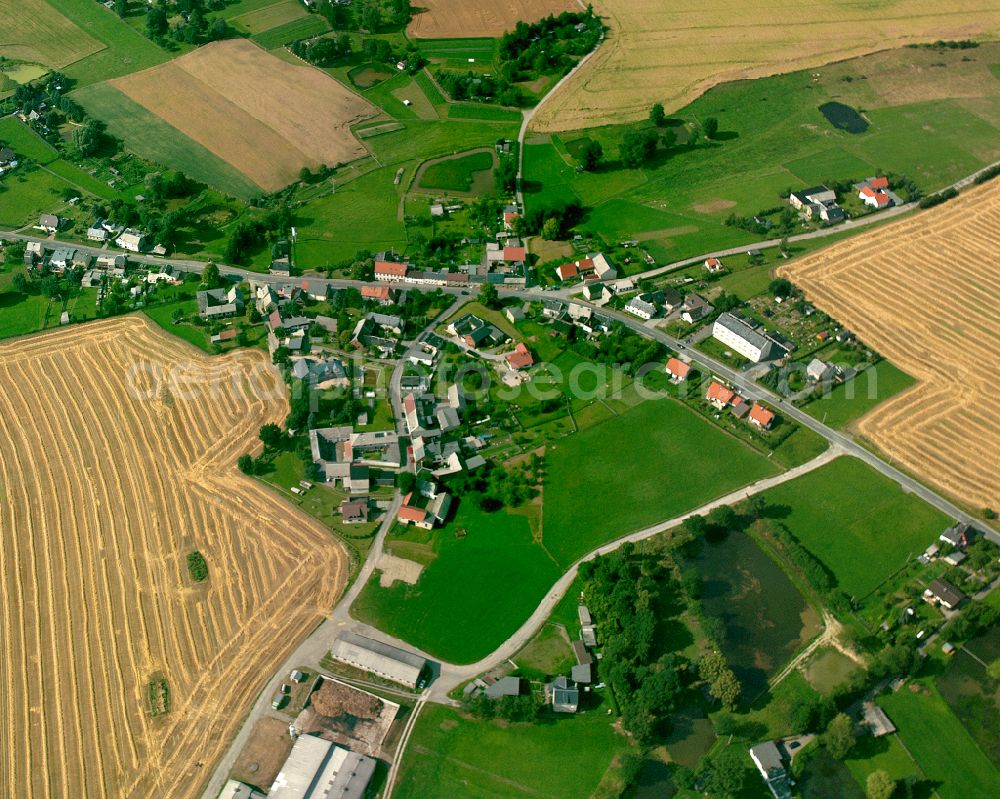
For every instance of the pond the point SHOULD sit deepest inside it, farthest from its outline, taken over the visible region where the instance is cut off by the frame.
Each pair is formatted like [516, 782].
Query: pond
[764, 617]
[843, 117]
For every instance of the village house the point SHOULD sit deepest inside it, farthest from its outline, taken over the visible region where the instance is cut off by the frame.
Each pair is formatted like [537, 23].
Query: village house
[943, 593]
[97, 232]
[514, 314]
[383, 295]
[714, 266]
[718, 395]
[62, 259]
[874, 192]
[641, 306]
[354, 511]
[695, 308]
[818, 370]
[818, 202]
[425, 506]
[131, 240]
[959, 536]
[220, 303]
[505, 686]
[678, 370]
[563, 694]
[595, 292]
[49, 223]
[735, 333]
[760, 417]
[33, 252]
[767, 758]
[390, 270]
[510, 217]
[520, 358]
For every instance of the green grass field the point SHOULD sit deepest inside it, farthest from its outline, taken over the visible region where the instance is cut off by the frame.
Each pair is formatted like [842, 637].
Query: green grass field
[150, 137]
[25, 141]
[846, 513]
[476, 591]
[940, 744]
[850, 401]
[26, 194]
[126, 50]
[303, 28]
[651, 463]
[20, 314]
[773, 138]
[450, 754]
[456, 174]
[489, 113]
[33, 32]
[270, 16]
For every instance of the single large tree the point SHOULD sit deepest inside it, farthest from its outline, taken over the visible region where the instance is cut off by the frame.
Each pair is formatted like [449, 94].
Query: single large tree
[839, 737]
[590, 154]
[271, 435]
[657, 115]
[880, 785]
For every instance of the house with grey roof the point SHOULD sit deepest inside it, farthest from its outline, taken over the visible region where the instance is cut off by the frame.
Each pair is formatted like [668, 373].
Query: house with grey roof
[767, 757]
[563, 694]
[735, 333]
[694, 308]
[505, 686]
[319, 769]
[220, 303]
[381, 659]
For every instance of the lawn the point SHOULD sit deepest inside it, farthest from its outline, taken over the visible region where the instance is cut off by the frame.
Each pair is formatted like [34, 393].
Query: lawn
[360, 215]
[150, 137]
[489, 113]
[163, 316]
[940, 744]
[20, 314]
[126, 50]
[973, 695]
[846, 514]
[651, 463]
[456, 174]
[450, 754]
[25, 142]
[475, 592]
[849, 401]
[775, 139]
[303, 28]
[26, 194]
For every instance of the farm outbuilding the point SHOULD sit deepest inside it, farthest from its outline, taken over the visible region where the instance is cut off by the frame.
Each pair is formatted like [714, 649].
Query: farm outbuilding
[318, 769]
[385, 660]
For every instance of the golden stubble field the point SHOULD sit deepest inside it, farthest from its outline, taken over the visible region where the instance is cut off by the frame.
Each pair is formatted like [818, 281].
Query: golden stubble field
[923, 293]
[266, 117]
[670, 51]
[460, 19]
[103, 493]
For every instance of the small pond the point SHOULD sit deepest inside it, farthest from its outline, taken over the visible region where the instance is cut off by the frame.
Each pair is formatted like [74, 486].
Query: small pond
[843, 117]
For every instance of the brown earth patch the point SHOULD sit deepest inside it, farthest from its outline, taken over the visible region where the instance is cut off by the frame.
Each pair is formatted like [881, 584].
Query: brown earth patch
[461, 19]
[266, 117]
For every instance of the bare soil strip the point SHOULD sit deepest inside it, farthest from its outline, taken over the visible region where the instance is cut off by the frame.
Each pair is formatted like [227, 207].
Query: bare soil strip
[461, 19]
[923, 293]
[266, 117]
[104, 493]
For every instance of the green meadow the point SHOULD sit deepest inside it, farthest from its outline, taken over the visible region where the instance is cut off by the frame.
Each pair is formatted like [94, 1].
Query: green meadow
[846, 513]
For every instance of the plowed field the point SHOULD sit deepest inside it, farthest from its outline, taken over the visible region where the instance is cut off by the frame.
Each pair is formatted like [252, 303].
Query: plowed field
[670, 52]
[460, 19]
[117, 459]
[923, 293]
[266, 117]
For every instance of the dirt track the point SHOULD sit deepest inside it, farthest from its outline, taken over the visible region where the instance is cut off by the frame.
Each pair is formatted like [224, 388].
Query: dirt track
[923, 293]
[102, 495]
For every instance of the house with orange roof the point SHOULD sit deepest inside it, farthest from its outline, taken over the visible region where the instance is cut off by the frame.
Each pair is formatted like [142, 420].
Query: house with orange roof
[390, 270]
[520, 358]
[379, 294]
[760, 416]
[714, 266]
[678, 370]
[718, 395]
[874, 192]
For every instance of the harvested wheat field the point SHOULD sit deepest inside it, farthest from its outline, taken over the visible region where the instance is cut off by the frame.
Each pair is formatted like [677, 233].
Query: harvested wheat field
[670, 52]
[262, 115]
[104, 491]
[923, 293]
[460, 19]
